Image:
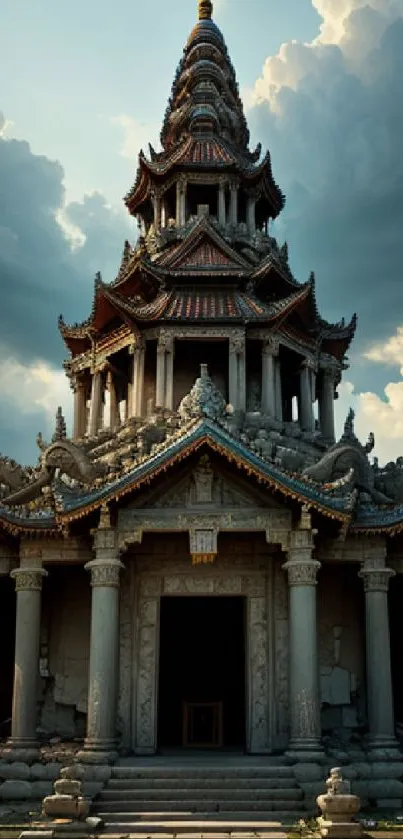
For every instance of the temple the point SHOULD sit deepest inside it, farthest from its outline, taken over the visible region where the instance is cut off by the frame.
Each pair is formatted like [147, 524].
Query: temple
[202, 564]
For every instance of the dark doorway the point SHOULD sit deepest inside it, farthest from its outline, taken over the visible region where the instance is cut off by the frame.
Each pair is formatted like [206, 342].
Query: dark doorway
[202, 672]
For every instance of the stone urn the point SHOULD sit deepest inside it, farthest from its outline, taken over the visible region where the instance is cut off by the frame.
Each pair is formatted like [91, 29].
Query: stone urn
[339, 807]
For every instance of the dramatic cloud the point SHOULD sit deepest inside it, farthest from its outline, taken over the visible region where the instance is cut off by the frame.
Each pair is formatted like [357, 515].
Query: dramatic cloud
[49, 254]
[383, 416]
[30, 394]
[136, 135]
[332, 114]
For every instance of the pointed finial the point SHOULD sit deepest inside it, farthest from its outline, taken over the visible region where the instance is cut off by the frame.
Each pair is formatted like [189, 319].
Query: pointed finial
[60, 430]
[205, 9]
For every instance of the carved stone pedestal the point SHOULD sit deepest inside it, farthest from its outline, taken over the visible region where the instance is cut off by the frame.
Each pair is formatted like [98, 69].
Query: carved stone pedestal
[339, 808]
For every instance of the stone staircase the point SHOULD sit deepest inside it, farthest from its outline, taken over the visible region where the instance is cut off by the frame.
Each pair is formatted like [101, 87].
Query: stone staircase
[239, 796]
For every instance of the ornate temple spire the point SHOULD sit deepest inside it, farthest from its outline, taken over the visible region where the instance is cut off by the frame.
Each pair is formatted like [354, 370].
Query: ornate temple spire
[205, 9]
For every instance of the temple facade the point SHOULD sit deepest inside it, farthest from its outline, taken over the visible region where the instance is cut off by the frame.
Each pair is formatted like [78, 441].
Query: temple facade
[201, 564]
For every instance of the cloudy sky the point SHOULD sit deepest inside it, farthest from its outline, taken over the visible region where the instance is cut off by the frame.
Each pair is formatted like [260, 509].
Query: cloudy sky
[85, 84]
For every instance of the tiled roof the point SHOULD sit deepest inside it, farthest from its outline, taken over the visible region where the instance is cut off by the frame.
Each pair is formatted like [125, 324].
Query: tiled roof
[195, 304]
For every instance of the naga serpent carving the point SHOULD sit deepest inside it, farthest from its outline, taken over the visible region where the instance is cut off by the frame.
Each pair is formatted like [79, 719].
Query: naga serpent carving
[346, 455]
[62, 456]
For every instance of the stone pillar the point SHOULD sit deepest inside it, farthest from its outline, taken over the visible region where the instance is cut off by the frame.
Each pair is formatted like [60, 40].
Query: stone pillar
[304, 681]
[80, 408]
[178, 202]
[113, 402]
[269, 351]
[96, 403]
[181, 190]
[279, 390]
[234, 203]
[100, 742]
[379, 676]
[161, 374]
[28, 584]
[157, 210]
[251, 215]
[326, 403]
[137, 388]
[237, 373]
[306, 418]
[222, 213]
[169, 373]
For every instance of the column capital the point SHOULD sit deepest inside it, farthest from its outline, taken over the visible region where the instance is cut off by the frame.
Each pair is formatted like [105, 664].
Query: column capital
[237, 344]
[271, 346]
[166, 341]
[376, 579]
[301, 572]
[104, 572]
[28, 579]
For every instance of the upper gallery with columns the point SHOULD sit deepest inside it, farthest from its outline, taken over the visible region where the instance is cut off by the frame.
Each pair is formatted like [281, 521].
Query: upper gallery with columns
[201, 510]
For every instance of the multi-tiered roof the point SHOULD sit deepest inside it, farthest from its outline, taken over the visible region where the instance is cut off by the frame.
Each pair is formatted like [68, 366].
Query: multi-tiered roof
[202, 265]
[197, 269]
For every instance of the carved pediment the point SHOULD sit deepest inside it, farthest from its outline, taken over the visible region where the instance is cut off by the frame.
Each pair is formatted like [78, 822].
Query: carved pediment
[206, 489]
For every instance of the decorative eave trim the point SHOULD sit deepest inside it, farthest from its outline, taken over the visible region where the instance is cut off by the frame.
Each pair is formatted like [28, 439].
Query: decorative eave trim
[204, 434]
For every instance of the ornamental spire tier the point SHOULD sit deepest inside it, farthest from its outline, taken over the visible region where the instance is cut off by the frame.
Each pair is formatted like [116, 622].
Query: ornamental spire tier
[205, 9]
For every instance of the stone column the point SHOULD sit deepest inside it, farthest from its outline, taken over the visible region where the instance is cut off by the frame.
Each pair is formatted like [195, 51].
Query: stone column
[28, 584]
[306, 418]
[157, 210]
[100, 742]
[137, 388]
[269, 351]
[222, 213]
[234, 203]
[79, 408]
[113, 402]
[251, 215]
[161, 373]
[96, 403]
[379, 675]
[237, 373]
[178, 202]
[326, 403]
[279, 389]
[181, 190]
[304, 681]
[169, 373]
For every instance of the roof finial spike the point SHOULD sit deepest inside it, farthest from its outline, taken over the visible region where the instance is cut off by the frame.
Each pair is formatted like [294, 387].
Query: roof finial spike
[205, 9]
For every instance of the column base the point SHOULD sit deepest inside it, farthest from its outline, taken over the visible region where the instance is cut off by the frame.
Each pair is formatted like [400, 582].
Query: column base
[98, 751]
[21, 750]
[383, 749]
[308, 750]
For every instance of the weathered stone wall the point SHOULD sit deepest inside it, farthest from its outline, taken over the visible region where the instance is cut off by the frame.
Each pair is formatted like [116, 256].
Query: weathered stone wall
[341, 638]
[65, 636]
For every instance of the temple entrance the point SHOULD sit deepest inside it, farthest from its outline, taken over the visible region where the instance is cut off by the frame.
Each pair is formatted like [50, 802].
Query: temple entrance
[202, 673]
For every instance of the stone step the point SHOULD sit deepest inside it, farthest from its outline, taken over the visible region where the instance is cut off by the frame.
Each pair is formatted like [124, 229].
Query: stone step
[201, 783]
[162, 773]
[220, 825]
[196, 830]
[193, 805]
[214, 794]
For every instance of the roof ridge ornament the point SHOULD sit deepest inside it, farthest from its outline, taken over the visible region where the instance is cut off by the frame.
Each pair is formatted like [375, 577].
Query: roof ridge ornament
[205, 9]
